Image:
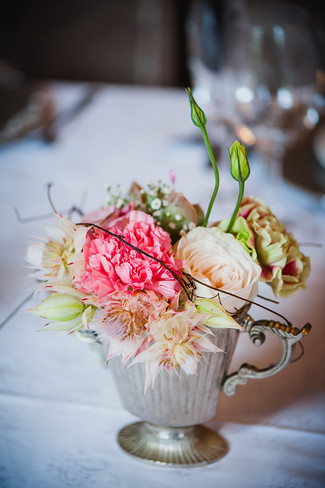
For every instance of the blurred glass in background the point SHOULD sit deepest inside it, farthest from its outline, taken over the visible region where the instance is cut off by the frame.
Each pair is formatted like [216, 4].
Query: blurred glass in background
[257, 70]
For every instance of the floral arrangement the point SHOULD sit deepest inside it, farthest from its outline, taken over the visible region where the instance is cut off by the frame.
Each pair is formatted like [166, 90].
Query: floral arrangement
[150, 277]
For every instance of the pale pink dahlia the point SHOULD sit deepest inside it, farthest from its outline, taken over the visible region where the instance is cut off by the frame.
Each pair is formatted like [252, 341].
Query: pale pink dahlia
[177, 340]
[112, 265]
[124, 321]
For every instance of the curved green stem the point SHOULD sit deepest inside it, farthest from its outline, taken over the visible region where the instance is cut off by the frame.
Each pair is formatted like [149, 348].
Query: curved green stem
[216, 175]
[239, 199]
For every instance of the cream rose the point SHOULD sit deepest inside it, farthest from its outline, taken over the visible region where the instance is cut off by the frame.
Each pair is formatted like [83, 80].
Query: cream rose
[217, 259]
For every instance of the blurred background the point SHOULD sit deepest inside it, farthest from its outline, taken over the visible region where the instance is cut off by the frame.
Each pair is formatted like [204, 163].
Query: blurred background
[127, 41]
[257, 68]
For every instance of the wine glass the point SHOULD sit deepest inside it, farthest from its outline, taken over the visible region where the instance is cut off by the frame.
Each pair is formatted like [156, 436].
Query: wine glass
[264, 90]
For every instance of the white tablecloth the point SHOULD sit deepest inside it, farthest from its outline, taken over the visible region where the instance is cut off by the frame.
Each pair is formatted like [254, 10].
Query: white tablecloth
[59, 408]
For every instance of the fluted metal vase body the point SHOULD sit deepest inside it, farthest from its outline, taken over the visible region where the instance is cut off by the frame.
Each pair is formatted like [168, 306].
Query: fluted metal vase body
[175, 403]
[174, 409]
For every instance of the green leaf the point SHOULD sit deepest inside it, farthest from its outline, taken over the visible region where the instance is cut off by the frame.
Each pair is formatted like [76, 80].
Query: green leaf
[243, 233]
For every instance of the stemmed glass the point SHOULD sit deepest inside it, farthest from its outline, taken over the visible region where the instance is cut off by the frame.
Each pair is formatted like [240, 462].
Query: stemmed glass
[265, 91]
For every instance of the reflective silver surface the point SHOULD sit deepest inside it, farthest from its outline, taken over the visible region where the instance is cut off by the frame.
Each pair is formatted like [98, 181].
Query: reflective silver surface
[176, 446]
[289, 337]
[173, 408]
[177, 399]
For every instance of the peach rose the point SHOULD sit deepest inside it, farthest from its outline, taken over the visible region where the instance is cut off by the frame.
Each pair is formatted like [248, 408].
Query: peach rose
[217, 259]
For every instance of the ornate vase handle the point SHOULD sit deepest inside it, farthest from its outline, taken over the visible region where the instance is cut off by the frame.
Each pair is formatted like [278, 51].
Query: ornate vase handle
[289, 337]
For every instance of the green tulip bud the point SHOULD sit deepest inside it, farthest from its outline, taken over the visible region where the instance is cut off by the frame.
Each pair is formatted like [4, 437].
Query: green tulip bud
[199, 119]
[197, 115]
[239, 166]
[239, 169]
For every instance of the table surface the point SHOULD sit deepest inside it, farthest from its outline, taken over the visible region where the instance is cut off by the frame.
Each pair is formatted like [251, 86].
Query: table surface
[59, 407]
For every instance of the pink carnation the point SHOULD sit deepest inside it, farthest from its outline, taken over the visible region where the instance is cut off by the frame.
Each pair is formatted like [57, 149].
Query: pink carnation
[111, 265]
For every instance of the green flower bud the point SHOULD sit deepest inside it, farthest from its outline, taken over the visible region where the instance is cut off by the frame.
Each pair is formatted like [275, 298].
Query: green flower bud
[197, 115]
[239, 166]
[59, 307]
[217, 316]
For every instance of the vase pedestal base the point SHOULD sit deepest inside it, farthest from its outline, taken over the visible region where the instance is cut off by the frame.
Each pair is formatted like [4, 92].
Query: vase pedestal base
[173, 446]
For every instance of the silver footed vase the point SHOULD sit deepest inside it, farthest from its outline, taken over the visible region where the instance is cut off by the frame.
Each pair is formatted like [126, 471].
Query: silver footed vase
[172, 413]
[174, 409]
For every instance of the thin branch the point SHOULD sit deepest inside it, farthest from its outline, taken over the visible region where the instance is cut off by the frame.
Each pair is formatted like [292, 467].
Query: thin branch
[77, 209]
[268, 299]
[191, 279]
[34, 218]
[241, 298]
[49, 186]
[13, 312]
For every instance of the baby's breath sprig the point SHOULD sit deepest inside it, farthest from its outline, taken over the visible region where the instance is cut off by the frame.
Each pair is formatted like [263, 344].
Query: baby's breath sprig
[169, 209]
[118, 197]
